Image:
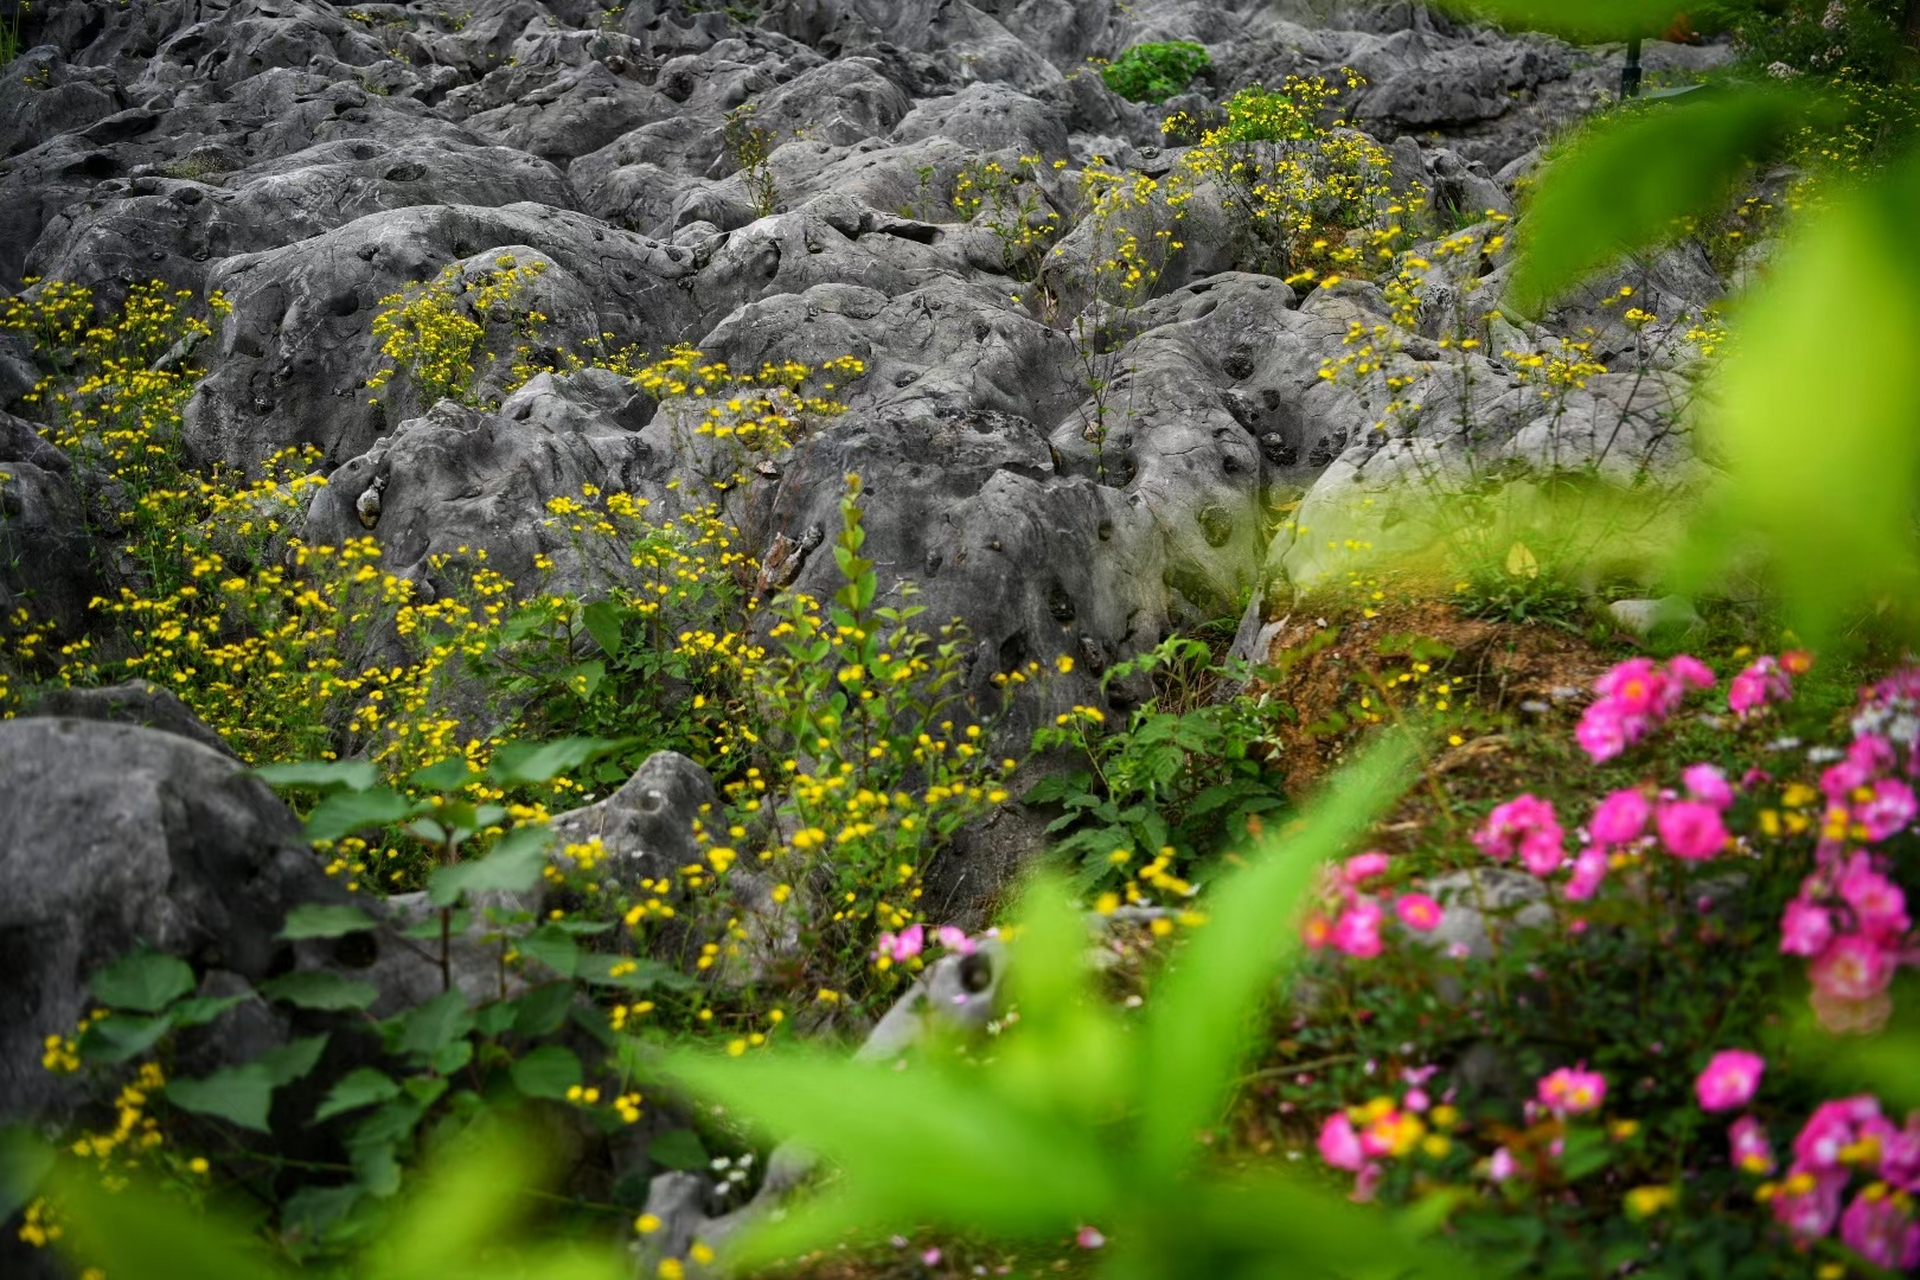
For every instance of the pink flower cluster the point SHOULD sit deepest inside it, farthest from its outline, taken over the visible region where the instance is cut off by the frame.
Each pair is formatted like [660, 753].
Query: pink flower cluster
[1890, 710]
[1842, 1138]
[1352, 924]
[1850, 919]
[1359, 1138]
[1765, 681]
[898, 948]
[1572, 1091]
[1635, 697]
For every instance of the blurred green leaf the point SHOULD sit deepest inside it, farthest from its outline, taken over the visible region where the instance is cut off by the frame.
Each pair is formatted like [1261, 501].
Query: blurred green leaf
[320, 989]
[345, 812]
[678, 1149]
[1198, 1023]
[143, 981]
[136, 1233]
[1630, 178]
[603, 619]
[1579, 19]
[325, 920]
[522, 763]
[513, 866]
[202, 1009]
[361, 1088]
[119, 1037]
[25, 1161]
[431, 1026]
[241, 1095]
[319, 775]
[1817, 425]
[547, 1072]
[445, 775]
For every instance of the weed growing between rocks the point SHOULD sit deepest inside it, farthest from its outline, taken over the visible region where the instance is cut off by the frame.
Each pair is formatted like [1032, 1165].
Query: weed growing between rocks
[1155, 71]
[749, 147]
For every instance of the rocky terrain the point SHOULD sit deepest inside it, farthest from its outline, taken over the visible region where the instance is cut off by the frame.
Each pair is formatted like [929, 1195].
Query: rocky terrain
[310, 159]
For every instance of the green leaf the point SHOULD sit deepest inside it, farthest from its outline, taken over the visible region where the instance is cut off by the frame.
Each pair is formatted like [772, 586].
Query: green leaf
[521, 763]
[1580, 19]
[119, 1037]
[513, 867]
[604, 620]
[319, 775]
[143, 980]
[362, 1088]
[25, 1162]
[635, 973]
[450, 774]
[678, 1149]
[240, 1095]
[541, 1011]
[1198, 1022]
[1625, 184]
[553, 947]
[136, 1233]
[547, 1072]
[324, 920]
[1836, 520]
[433, 1025]
[293, 1060]
[346, 812]
[202, 1009]
[320, 989]
[1586, 1151]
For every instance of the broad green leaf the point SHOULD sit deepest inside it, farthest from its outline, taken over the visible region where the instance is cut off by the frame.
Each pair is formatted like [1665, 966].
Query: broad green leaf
[629, 973]
[445, 775]
[541, 1011]
[319, 775]
[293, 1060]
[1629, 178]
[119, 1037]
[520, 763]
[436, 1023]
[202, 1009]
[143, 981]
[136, 1233]
[1581, 19]
[356, 1089]
[603, 620]
[513, 866]
[325, 920]
[25, 1161]
[547, 1072]
[1285, 1218]
[471, 1196]
[346, 812]
[241, 1095]
[678, 1149]
[1817, 425]
[1199, 1020]
[1069, 1057]
[320, 989]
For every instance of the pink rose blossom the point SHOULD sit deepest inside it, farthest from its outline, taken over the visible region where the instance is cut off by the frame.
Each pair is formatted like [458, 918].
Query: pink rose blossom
[1621, 818]
[1364, 866]
[1889, 811]
[1589, 869]
[1833, 1128]
[1340, 1145]
[1809, 1211]
[1881, 1228]
[1900, 1155]
[1852, 968]
[1501, 1165]
[1605, 731]
[1691, 829]
[1417, 1100]
[1729, 1080]
[1761, 683]
[1879, 905]
[1691, 672]
[1708, 783]
[931, 1257]
[1365, 1183]
[1525, 825]
[1572, 1091]
[1089, 1238]
[1357, 932]
[1805, 929]
[1752, 1151]
[1418, 911]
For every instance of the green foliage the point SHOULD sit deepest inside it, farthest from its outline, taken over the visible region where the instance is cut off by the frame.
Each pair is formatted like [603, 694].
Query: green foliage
[436, 333]
[1078, 1119]
[749, 147]
[1627, 183]
[1577, 19]
[1178, 782]
[1155, 71]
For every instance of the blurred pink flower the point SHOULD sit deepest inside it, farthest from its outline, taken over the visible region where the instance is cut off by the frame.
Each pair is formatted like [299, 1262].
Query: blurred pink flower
[1525, 825]
[1089, 1238]
[1418, 911]
[1605, 731]
[1761, 683]
[905, 945]
[1364, 866]
[1501, 1165]
[1709, 783]
[1572, 1091]
[1340, 1145]
[1852, 968]
[1691, 829]
[1888, 811]
[1589, 869]
[1729, 1080]
[1805, 929]
[1621, 818]
[1357, 932]
[1691, 672]
[1833, 1129]
[1807, 1206]
[1880, 1227]
[1879, 905]
[1752, 1150]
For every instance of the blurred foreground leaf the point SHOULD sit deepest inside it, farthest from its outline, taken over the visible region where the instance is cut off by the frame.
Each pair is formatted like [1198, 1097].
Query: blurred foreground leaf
[1077, 1119]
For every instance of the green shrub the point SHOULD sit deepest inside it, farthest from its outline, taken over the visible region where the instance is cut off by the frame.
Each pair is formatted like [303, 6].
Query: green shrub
[1155, 72]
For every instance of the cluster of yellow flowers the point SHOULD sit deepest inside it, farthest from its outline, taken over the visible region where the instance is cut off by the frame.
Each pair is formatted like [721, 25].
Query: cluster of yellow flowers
[435, 332]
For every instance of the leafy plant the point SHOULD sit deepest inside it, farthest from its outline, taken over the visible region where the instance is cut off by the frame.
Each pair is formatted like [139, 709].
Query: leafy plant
[749, 147]
[1078, 1119]
[1155, 71]
[1180, 780]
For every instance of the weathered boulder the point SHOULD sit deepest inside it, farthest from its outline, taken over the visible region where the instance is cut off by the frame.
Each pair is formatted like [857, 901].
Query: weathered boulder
[46, 552]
